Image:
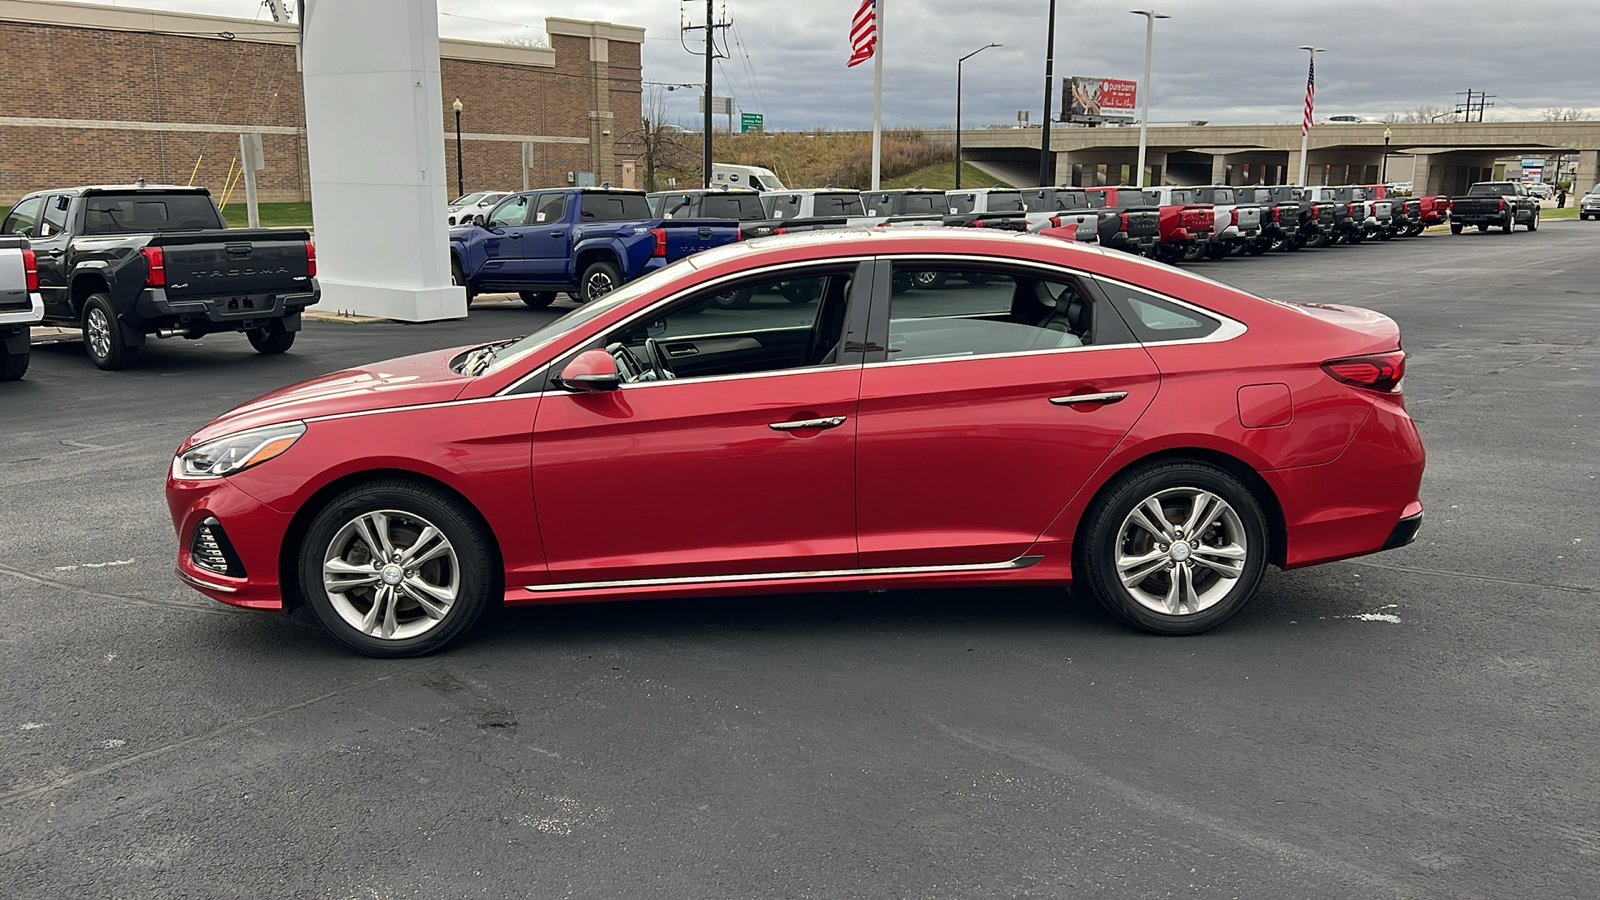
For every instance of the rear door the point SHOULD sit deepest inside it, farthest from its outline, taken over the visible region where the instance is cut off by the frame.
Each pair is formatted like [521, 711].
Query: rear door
[50, 254]
[995, 399]
[742, 463]
[547, 238]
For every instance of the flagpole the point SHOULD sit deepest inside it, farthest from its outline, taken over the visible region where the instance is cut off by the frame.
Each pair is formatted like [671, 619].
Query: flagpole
[877, 98]
[1305, 126]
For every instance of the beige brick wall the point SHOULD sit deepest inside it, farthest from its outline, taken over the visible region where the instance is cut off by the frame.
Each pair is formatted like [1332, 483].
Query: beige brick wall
[61, 72]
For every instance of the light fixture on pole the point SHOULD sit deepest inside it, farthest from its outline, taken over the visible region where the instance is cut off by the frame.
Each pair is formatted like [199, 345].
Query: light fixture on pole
[460, 191]
[958, 106]
[1150, 17]
[1387, 134]
[1305, 123]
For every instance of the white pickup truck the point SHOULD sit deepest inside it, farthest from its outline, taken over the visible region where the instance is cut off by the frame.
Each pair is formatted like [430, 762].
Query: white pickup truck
[21, 307]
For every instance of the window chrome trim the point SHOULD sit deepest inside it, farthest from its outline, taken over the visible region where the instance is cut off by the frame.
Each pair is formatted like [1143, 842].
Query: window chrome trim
[1053, 351]
[566, 355]
[1021, 562]
[1229, 328]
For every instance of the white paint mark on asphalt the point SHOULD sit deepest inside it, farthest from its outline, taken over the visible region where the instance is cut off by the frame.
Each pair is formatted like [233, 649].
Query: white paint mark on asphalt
[1375, 617]
[102, 565]
[110, 657]
[569, 814]
[113, 744]
[33, 726]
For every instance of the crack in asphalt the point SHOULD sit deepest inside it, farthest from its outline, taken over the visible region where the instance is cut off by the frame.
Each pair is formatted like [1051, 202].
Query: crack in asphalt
[9, 797]
[1554, 586]
[215, 609]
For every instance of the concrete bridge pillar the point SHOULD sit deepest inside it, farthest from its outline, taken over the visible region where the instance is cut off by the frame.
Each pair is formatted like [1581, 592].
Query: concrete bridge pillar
[1219, 168]
[1422, 175]
[1155, 163]
[1588, 171]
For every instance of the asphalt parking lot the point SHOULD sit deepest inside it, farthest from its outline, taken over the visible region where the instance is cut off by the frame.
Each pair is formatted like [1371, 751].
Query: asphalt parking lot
[1421, 723]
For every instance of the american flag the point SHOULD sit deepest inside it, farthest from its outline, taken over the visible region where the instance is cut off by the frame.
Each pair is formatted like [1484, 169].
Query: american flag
[1311, 94]
[863, 33]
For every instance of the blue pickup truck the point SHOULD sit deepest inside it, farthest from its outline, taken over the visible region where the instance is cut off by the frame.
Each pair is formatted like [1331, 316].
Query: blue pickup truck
[581, 241]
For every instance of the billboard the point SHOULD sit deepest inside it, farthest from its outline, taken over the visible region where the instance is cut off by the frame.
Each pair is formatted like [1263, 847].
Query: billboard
[1094, 100]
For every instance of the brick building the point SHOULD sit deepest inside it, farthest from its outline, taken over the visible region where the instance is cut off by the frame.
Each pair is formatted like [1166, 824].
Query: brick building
[98, 94]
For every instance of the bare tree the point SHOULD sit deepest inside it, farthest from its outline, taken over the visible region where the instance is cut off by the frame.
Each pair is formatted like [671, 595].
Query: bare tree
[535, 41]
[1559, 114]
[660, 144]
[1422, 114]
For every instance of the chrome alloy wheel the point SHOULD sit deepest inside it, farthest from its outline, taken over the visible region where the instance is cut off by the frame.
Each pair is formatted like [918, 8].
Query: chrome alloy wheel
[1181, 551]
[99, 331]
[599, 285]
[391, 574]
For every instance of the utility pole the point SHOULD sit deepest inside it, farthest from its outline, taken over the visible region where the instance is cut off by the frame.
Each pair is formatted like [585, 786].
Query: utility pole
[1049, 77]
[1477, 101]
[711, 55]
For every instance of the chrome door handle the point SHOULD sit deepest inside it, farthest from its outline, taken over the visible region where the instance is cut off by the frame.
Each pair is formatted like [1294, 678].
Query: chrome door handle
[1107, 397]
[829, 422]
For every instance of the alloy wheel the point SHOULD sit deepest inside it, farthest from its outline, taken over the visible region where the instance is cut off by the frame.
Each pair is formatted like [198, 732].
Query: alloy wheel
[1180, 551]
[598, 285]
[99, 328]
[391, 574]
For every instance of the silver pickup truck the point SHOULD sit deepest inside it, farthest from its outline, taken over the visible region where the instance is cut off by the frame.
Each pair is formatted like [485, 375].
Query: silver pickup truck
[21, 308]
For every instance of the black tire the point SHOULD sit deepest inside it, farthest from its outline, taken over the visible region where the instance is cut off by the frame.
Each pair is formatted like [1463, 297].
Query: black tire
[1318, 240]
[928, 281]
[1219, 250]
[102, 335]
[1457, 227]
[1256, 248]
[1103, 536]
[733, 299]
[272, 339]
[1533, 223]
[13, 365]
[1415, 230]
[1355, 237]
[1483, 229]
[1511, 221]
[475, 570]
[599, 279]
[537, 299]
[1386, 234]
[900, 282]
[1194, 252]
[458, 276]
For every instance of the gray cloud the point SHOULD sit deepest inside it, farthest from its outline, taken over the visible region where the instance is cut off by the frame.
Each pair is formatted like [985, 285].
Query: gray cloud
[1226, 62]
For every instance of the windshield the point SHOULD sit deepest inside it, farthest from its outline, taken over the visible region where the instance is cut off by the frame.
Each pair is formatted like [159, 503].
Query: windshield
[149, 211]
[512, 353]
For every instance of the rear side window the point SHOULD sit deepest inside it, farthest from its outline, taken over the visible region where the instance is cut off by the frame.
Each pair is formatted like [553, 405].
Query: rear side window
[1154, 318]
[552, 208]
[614, 208]
[783, 206]
[54, 220]
[839, 205]
[148, 212]
[961, 204]
[923, 204]
[736, 206]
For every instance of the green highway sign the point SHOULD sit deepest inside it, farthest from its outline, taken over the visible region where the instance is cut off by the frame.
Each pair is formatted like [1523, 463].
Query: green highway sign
[751, 121]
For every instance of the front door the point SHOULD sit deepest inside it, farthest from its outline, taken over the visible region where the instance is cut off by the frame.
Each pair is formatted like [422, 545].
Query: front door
[505, 260]
[1002, 390]
[730, 449]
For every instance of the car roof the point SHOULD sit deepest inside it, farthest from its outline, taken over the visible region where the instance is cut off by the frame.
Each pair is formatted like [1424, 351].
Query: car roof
[120, 188]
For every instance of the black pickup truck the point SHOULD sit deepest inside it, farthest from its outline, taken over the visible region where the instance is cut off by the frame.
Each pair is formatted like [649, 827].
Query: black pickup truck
[1503, 203]
[123, 262]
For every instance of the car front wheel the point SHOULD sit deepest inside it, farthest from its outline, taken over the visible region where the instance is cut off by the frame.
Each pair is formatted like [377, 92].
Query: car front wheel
[1173, 548]
[395, 568]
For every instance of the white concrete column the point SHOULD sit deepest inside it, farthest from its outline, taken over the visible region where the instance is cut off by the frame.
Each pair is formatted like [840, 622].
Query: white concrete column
[1219, 168]
[1588, 174]
[375, 145]
[1421, 175]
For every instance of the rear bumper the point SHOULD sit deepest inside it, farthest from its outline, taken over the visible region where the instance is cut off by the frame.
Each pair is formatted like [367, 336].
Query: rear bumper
[224, 313]
[30, 316]
[1405, 531]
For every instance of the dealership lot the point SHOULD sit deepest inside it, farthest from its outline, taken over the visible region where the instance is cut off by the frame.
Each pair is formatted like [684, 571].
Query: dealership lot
[1418, 723]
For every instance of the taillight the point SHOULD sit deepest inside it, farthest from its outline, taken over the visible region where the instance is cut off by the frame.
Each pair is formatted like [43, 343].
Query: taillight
[311, 260]
[157, 261]
[780, 230]
[1502, 203]
[1055, 221]
[1124, 218]
[30, 268]
[660, 251]
[1314, 213]
[977, 223]
[1276, 214]
[1234, 215]
[1350, 210]
[1376, 372]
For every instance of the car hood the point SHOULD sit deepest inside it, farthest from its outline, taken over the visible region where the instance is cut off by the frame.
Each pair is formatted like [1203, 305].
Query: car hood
[407, 381]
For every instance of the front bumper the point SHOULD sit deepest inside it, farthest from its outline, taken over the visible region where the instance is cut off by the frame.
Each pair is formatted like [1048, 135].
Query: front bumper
[255, 532]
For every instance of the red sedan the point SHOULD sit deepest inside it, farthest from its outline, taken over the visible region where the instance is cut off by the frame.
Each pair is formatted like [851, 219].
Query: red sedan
[1048, 414]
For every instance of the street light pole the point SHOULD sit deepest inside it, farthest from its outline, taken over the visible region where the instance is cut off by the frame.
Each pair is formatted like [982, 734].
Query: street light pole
[460, 191]
[1305, 131]
[1049, 76]
[1384, 178]
[958, 107]
[1150, 17]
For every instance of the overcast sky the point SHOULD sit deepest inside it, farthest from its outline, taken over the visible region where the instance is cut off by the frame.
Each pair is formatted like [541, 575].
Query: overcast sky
[1225, 62]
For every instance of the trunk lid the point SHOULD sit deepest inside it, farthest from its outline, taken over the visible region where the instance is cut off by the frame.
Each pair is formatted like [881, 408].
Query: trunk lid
[235, 262]
[1370, 332]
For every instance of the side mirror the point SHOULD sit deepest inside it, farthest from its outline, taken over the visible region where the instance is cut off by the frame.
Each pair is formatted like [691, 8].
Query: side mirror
[591, 370]
[479, 221]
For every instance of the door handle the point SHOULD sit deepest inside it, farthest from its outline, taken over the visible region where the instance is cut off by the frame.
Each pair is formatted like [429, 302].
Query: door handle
[52, 253]
[555, 234]
[829, 422]
[1107, 397]
[515, 236]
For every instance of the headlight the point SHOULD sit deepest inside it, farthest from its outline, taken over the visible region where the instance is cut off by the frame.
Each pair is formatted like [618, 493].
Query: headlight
[236, 452]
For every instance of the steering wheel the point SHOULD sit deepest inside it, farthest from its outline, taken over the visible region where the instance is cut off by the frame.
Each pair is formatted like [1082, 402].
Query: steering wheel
[658, 360]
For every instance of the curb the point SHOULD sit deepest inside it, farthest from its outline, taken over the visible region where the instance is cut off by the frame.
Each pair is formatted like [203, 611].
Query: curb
[343, 318]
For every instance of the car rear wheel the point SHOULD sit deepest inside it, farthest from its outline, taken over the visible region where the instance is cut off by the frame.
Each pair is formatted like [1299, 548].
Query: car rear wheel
[733, 299]
[394, 568]
[1511, 221]
[102, 335]
[1533, 223]
[13, 365]
[1173, 548]
[599, 279]
[272, 339]
[537, 299]
[458, 277]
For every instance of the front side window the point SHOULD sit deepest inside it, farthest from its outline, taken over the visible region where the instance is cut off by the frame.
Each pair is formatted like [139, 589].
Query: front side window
[23, 217]
[1155, 318]
[956, 310]
[766, 323]
[511, 213]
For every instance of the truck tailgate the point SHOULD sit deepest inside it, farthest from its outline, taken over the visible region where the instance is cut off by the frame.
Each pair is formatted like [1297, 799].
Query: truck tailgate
[686, 237]
[235, 262]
